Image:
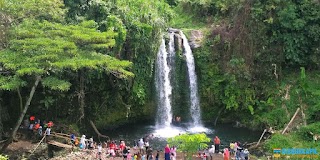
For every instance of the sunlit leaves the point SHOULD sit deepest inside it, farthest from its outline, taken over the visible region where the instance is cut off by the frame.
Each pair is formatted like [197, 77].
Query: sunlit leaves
[11, 82]
[56, 84]
[52, 44]
[40, 9]
[189, 143]
[45, 48]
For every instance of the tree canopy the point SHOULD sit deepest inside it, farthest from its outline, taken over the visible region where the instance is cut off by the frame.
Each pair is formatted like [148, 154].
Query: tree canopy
[46, 49]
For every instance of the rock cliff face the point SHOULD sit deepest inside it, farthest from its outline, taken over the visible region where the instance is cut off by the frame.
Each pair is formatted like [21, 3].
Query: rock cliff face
[195, 39]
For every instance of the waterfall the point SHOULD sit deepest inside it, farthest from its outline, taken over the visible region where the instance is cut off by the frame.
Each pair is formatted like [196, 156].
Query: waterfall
[194, 98]
[162, 82]
[165, 64]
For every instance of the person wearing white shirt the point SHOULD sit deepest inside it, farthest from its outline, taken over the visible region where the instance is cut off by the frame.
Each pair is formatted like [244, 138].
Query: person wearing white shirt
[211, 151]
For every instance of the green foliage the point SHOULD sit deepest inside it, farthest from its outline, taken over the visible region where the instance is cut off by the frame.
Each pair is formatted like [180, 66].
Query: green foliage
[52, 51]
[293, 140]
[11, 82]
[186, 20]
[56, 84]
[5, 157]
[137, 25]
[306, 132]
[45, 48]
[293, 25]
[254, 52]
[42, 9]
[207, 8]
[189, 143]
[281, 141]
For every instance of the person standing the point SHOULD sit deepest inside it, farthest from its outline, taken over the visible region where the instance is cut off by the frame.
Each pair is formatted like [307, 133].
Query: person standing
[99, 151]
[125, 153]
[149, 153]
[246, 154]
[231, 148]
[226, 154]
[216, 144]
[211, 151]
[173, 152]
[146, 144]
[129, 156]
[141, 144]
[235, 148]
[83, 142]
[139, 156]
[167, 152]
[157, 155]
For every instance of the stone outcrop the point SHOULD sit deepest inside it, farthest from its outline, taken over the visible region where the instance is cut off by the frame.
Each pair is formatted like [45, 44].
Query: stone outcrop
[196, 38]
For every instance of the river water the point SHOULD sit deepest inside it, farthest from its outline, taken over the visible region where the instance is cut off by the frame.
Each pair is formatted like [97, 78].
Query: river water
[226, 132]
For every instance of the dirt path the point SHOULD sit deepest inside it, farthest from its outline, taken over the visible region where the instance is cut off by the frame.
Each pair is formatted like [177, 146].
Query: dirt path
[16, 149]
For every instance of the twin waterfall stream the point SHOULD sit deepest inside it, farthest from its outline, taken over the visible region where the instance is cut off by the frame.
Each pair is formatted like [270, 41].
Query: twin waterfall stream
[163, 76]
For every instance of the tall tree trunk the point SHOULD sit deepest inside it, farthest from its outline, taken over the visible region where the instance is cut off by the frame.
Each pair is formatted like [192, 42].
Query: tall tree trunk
[20, 99]
[22, 114]
[81, 95]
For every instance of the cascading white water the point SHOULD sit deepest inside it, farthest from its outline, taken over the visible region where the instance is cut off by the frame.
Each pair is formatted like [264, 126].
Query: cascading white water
[194, 98]
[163, 85]
[163, 72]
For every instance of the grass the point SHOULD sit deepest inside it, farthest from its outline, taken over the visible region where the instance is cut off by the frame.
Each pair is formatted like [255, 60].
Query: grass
[298, 139]
[186, 20]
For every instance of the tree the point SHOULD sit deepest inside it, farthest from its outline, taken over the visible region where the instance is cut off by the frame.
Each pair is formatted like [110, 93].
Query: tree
[41, 51]
[189, 143]
[15, 10]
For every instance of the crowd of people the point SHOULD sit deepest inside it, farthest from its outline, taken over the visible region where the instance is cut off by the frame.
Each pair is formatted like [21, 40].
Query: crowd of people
[234, 151]
[141, 149]
[36, 127]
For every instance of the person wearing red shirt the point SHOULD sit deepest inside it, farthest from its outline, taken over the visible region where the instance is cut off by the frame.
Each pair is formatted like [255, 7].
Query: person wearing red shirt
[50, 124]
[122, 145]
[167, 152]
[32, 118]
[112, 148]
[216, 143]
[36, 126]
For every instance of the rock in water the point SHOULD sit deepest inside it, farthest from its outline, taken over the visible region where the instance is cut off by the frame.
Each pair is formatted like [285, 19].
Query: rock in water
[195, 39]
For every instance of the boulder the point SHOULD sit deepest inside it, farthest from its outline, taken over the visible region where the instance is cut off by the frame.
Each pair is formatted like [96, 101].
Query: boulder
[195, 39]
[174, 30]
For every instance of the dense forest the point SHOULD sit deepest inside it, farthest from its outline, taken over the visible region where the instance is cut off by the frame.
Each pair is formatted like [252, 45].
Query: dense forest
[73, 61]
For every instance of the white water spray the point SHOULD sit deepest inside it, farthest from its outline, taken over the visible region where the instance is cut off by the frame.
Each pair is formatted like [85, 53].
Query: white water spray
[163, 84]
[163, 73]
[194, 98]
